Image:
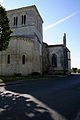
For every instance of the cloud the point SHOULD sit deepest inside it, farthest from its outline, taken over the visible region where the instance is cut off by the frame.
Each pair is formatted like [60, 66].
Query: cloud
[58, 22]
[1, 1]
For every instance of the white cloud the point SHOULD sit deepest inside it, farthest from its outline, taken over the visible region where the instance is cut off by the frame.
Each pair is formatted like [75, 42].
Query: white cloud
[58, 22]
[1, 1]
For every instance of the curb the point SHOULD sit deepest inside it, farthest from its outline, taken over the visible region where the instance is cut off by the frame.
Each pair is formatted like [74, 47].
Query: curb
[12, 83]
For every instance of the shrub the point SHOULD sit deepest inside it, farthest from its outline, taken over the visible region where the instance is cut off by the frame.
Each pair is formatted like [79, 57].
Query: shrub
[78, 70]
[35, 73]
[74, 70]
[17, 74]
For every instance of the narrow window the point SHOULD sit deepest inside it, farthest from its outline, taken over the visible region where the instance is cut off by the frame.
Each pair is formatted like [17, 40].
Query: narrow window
[8, 59]
[54, 60]
[24, 19]
[14, 20]
[23, 59]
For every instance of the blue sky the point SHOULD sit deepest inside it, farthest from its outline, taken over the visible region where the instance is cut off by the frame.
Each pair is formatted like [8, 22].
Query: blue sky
[59, 16]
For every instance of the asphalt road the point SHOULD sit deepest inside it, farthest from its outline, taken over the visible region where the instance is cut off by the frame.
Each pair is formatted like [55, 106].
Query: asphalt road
[52, 99]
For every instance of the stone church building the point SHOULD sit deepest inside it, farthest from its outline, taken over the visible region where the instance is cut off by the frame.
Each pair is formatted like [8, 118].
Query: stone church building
[27, 53]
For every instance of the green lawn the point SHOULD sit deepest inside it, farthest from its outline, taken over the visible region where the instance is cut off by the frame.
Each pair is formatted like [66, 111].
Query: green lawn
[4, 79]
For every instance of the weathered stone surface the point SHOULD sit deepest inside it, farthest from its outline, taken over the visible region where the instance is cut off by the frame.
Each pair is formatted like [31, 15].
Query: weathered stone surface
[45, 58]
[63, 63]
[27, 40]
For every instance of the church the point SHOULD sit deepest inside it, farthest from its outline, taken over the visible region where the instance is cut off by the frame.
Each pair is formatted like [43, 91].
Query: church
[27, 53]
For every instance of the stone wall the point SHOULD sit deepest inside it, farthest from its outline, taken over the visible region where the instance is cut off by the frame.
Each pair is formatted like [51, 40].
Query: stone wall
[18, 47]
[33, 23]
[26, 40]
[63, 59]
[58, 51]
[45, 58]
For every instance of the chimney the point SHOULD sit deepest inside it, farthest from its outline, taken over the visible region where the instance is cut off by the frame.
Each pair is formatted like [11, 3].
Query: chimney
[64, 40]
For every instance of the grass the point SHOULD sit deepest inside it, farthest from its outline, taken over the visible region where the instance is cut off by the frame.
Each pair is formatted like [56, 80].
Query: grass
[5, 79]
[1, 80]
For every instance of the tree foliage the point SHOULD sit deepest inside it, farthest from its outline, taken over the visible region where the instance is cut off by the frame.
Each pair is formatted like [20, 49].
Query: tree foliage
[4, 29]
[78, 70]
[74, 70]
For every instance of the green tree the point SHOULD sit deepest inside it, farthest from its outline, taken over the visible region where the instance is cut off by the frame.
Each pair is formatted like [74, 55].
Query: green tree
[5, 30]
[78, 70]
[74, 70]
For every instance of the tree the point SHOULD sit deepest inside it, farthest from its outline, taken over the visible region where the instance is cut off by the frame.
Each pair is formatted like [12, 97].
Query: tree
[78, 70]
[5, 30]
[74, 70]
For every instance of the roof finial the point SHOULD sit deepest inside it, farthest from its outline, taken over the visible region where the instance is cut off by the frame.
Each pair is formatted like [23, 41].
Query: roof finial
[64, 40]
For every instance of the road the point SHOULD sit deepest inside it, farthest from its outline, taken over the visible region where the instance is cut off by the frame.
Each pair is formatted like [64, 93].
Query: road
[51, 99]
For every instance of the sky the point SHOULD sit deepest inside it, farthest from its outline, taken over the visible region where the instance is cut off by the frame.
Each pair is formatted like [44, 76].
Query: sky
[59, 16]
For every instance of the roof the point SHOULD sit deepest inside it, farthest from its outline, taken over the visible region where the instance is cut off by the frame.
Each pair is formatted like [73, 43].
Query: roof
[58, 45]
[67, 49]
[28, 7]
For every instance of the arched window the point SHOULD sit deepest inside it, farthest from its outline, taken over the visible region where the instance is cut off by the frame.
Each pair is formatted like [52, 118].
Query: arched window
[8, 59]
[23, 59]
[16, 21]
[23, 19]
[54, 60]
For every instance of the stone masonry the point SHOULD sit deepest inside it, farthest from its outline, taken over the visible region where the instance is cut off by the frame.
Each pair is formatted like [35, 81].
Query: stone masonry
[27, 53]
